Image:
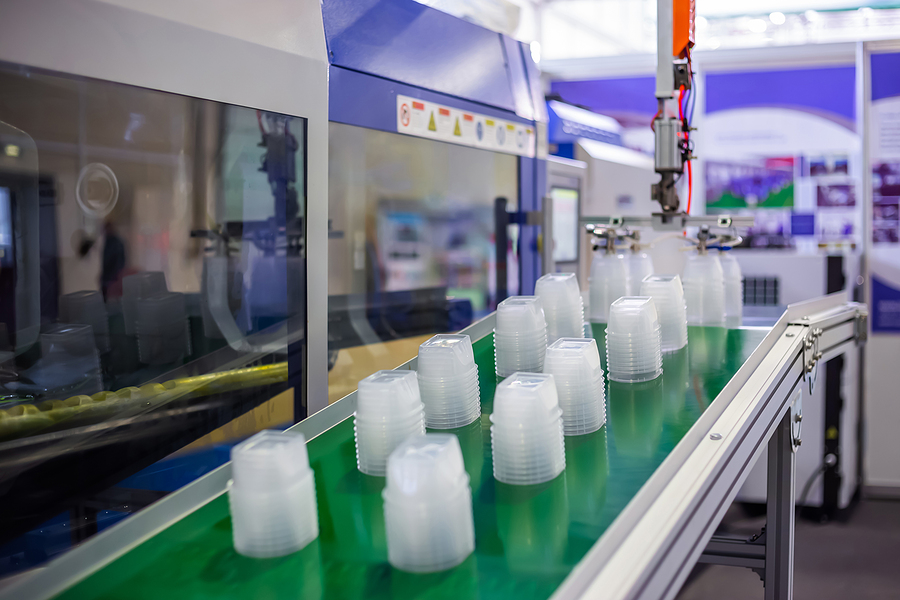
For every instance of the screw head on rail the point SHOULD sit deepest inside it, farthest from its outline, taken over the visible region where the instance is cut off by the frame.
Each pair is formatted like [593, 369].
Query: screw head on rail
[715, 436]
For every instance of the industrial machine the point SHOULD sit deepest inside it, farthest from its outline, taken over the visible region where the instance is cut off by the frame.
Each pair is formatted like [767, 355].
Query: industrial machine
[829, 464]
[435, 179]
[154, 301]
[433, 133]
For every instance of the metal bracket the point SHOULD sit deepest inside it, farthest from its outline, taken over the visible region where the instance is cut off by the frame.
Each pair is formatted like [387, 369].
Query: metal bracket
[734, 551]
[670, 221]
[862, 324]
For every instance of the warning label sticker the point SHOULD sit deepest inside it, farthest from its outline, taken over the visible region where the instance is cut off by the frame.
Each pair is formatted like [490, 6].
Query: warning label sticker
[430, 120]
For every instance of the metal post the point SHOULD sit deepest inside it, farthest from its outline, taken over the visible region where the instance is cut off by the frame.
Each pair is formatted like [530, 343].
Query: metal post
[501, 243]
[779, 580]
[547, 263]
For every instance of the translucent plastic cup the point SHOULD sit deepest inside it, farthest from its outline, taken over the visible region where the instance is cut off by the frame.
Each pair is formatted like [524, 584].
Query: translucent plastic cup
[527, 430]
[668, 296]
[633, 351]
[72, 340]
[704, 290]
[520, 336]
[448, 382]
[575, 366]
[134, 288]
[428, 505]
[70, 350]
[734, 289]
[389, 410]
[560, 297]
[640, 265]
[87, 308]
[609, 282]
[272, 495]
[163, 330]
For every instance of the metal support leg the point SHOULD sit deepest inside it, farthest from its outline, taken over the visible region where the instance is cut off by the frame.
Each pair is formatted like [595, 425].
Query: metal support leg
[779, 576]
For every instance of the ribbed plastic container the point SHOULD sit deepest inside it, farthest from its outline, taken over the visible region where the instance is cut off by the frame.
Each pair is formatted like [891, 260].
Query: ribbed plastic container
[428, 505]
[527, 430]
[609, 282]
[272, 495]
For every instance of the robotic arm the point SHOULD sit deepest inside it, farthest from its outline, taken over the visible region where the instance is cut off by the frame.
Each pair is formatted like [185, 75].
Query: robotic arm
[674, 79]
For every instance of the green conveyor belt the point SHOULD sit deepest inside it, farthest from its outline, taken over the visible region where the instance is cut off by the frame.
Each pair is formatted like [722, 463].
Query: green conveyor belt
[528, 539]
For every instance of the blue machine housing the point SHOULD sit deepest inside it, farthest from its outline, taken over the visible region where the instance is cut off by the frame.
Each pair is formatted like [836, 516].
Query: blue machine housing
[569, 123]
[381, 48]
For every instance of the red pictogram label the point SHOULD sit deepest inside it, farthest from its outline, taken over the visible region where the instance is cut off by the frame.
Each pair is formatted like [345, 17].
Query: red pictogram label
[404, 115]
[445, 112]
[419, 105]
[468, 117]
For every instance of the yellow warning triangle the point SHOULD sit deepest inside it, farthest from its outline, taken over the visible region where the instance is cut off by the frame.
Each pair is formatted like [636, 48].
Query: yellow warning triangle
[456, 130]
[431, 125]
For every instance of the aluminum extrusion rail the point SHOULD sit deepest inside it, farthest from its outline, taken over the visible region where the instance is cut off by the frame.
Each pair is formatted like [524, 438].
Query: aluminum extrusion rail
[652, 546]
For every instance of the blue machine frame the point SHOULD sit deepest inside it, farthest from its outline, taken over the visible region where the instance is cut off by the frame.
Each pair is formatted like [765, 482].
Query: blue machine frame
[381, 48]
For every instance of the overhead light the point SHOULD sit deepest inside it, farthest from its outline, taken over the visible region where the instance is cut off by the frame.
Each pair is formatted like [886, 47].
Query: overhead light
[701, 22]
[777, 18]
[811, 15]
[535, 52]
[713, 43]
[756, 25]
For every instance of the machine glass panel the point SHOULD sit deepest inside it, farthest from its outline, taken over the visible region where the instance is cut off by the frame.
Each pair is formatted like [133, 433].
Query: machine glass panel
[565, 224]
[411, 250]
[152, 297]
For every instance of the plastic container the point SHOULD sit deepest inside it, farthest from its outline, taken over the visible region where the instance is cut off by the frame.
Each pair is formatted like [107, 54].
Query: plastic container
[520, 336]
[428, 505]
[448, 382]
[389, 410]
[163, 329]
[527, 430]
[704, 290]
[575, 366]
[734, 289]
[272, 495]
[563, 308]
[87, 308]
[633, 351]
[640, 265]
[609, 282]
[134, 288]
[668, 296]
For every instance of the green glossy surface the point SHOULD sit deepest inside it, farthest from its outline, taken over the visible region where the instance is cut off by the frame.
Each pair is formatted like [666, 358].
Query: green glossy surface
[528, 539]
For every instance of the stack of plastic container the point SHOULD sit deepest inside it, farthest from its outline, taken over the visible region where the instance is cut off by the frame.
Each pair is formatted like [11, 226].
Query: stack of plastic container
[520, 336]
[69, 355]
[640, 265]
[388, 411]
[136, 287]
[609, 282]
[428, 505]
[704, 290]
[527, 431]
[87, 308]
[633, 351]
[272, 495]
[163, 330]
[563, 309]
[448, 382]
[734, 289]
[668, 296]
[575, 366]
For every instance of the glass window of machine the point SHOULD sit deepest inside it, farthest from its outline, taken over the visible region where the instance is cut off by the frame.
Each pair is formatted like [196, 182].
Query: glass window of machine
[152, 297]
[411, 248]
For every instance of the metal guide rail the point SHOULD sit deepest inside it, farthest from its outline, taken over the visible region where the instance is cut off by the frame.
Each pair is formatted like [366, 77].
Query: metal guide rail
[629, 518]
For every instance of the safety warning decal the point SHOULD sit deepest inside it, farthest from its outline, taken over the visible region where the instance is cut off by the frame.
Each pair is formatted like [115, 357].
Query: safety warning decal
[430, 120]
